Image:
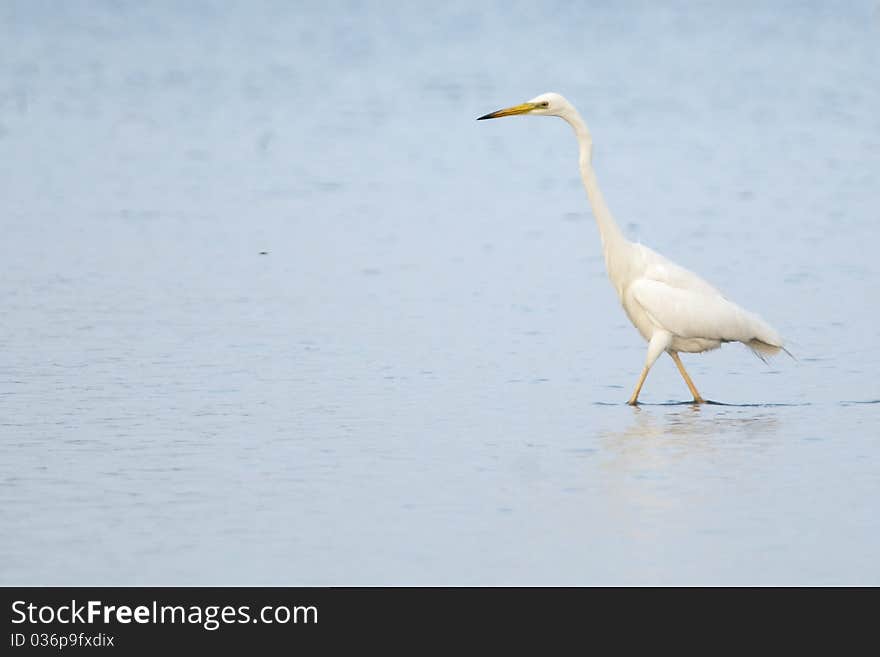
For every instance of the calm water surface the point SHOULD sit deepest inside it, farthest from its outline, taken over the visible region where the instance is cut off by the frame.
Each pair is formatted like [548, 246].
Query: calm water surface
[277, 310]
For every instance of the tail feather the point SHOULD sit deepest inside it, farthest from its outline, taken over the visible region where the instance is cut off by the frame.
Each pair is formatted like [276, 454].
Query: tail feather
[765, 350]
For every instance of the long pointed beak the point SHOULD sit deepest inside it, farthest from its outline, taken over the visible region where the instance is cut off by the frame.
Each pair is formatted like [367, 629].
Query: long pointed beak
[510, 111]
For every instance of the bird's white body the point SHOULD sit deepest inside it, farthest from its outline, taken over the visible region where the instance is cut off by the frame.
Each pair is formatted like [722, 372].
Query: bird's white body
[658, 295]
[674, 309]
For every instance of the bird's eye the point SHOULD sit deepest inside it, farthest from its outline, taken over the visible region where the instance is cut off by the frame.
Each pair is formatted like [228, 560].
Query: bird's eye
[545, 104]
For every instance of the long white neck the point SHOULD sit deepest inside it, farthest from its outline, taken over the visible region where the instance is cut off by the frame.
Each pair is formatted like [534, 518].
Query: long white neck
[608, 229]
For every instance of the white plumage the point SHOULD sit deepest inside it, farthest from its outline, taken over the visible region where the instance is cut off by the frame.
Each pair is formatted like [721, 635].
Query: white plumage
[674, 309]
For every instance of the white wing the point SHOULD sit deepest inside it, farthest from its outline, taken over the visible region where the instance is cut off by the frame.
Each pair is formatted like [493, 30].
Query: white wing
[698, 310]
[662, 269]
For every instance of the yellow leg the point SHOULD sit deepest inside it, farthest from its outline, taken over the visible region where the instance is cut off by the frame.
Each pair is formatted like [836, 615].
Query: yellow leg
[690, 384]
[635, 396]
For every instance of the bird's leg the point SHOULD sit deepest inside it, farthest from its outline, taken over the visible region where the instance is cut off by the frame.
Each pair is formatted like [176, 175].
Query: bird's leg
[658, 343]
[687, 379]
[634, 399]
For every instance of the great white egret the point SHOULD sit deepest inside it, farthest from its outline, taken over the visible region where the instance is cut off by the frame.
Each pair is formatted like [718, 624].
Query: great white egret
[674, 309]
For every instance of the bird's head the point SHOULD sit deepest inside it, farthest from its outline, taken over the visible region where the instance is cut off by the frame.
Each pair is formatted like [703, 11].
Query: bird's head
[549, 104]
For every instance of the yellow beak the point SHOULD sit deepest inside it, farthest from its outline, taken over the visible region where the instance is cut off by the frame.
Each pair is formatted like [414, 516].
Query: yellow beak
[525, 108]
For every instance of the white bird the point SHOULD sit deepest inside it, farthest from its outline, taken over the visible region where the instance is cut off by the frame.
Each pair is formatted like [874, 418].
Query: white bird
[674, 309]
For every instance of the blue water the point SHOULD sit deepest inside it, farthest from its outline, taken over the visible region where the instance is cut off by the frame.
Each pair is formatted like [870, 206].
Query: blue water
[278, 310]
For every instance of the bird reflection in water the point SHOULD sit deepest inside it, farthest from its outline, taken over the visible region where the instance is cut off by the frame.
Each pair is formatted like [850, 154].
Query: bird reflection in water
[671, 459]
[692, 428]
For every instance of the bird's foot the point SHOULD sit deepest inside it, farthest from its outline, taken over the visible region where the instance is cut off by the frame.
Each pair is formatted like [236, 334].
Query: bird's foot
[633, 402]
[699, 400]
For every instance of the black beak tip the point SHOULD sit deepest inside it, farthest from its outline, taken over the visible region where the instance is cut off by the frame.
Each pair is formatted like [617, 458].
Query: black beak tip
[486, 116]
